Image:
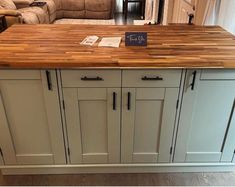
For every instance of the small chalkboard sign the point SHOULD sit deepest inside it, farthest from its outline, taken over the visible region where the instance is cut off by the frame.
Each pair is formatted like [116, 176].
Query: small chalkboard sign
[136, 38]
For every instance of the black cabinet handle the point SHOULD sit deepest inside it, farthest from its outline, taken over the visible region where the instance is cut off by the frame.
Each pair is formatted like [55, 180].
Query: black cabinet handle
[190, 19]
[193, 81]
[49, 84]
[129, 101]
[92, 79]
[114, 100]
[157, 78]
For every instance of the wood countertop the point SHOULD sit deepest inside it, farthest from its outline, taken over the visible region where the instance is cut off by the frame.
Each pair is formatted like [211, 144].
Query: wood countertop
[174, 46]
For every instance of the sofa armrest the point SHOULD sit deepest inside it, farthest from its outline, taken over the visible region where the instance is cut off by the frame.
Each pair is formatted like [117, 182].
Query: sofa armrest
[11, 20]
[7, 12]
[22, 3]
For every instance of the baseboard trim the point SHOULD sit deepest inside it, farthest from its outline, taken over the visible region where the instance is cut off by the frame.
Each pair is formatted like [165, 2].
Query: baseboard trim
[118, 168]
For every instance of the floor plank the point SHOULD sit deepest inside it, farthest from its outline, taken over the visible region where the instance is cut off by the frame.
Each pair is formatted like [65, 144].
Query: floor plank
[120, 18]
[177, 179]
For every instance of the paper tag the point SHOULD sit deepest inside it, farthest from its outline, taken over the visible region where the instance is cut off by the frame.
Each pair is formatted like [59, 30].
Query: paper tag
[89, 40]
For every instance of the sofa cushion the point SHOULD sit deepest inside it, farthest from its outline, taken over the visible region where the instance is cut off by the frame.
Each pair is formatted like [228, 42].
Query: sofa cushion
[50, 5]
[98, 5]
[28, 2]
[30, 18]
[58, 4]
[73, 4]
[41, 15]
[74, 14]
[7, 4]
[97, 15]
[22, 3]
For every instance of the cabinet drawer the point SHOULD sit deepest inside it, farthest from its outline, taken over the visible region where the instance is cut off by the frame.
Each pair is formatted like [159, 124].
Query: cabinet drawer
[91, 78]
[151, 78]
[20, 74]
[226, 74]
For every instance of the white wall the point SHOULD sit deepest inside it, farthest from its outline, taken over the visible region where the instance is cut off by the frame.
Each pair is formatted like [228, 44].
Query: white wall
[226, 16]
[217, 12]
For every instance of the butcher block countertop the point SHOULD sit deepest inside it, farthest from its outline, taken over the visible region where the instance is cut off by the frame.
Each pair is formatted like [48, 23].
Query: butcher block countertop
[173, 46]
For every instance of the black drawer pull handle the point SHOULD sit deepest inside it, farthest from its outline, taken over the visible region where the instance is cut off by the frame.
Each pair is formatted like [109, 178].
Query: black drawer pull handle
[129, 101]
[92, 79]
[145, 78]
[49, 84]
[114, 101]
[194, 79]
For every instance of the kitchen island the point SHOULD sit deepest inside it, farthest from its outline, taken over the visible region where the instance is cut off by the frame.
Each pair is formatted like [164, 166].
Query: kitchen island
[68, 108]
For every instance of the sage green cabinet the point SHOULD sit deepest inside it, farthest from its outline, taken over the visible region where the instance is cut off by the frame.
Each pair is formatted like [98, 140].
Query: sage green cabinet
[206, 126]
[149, 104]
[140, 126]
[147, 124]
[92, 110]
[93, 124]
[30, 120]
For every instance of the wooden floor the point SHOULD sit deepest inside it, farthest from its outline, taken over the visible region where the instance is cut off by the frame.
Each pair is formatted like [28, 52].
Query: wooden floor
[177, 179]
[120, 18]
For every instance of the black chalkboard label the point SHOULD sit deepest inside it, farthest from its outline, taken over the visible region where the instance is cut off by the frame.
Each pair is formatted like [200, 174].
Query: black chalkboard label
[136, 38]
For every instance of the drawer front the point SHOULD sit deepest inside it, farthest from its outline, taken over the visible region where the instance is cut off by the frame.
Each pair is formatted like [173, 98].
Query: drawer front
[91, 78]
[151, 78]
[226, 74]
[20, 74]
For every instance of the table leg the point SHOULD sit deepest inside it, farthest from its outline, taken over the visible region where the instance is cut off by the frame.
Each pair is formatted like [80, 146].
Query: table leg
[143, 9]
[126, 8]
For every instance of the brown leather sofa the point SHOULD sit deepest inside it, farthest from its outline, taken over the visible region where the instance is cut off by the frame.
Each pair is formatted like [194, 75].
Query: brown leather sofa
[20, 11]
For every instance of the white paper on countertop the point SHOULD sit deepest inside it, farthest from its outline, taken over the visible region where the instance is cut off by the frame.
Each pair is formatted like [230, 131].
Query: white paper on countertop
[89, 40]
[110, 42]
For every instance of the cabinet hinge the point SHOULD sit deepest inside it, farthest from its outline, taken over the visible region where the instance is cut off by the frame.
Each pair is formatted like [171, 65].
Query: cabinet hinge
[68, 151]
[63, 103]
[177, 104]
[171, 150]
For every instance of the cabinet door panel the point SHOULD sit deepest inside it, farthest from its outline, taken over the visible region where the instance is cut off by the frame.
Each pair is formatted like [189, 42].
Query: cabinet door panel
[229, 143]
[93, 125]
[205, 121]
[147, 126]
[28, 119]
[147, 130]
[5, 138]
[20, 123]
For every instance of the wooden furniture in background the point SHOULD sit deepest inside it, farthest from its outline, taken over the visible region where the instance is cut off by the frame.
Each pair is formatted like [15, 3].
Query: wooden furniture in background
[142, 6]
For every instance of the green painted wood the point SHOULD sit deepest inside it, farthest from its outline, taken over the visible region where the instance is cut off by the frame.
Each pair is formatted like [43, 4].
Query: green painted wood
[147, 128]
[93, 126]
[31, 128]
[205, 118]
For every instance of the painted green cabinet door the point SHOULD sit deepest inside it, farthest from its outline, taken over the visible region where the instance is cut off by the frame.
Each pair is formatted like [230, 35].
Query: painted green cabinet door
[206, 127]
[30, 122]
[93, 124]
[148, 118]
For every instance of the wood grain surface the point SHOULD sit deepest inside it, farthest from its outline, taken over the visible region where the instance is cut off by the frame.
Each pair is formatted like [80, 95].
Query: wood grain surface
[173, 46]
